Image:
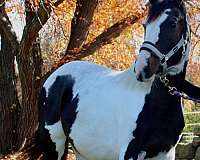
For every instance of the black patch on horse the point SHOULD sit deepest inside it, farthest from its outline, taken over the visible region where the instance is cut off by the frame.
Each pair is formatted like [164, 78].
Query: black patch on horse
[159, 124]
[60, 99]
[44, 139]
[59, 104]
[191, 90]
[47, 145]
[68, 114]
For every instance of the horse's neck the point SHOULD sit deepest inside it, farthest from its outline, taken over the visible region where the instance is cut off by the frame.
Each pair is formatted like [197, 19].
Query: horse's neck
[191, 90]
[128, 77]
[160, 93]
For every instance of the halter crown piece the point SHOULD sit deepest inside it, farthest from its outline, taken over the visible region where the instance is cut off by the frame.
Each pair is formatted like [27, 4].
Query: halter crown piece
[149, 46]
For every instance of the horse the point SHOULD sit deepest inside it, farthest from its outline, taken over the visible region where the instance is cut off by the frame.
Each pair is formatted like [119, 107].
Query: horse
[125, 115]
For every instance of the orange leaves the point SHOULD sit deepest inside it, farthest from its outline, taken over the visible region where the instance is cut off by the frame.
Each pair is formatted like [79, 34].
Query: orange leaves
[193, 70]
[120, 54]
[111, 11]
[117, 55]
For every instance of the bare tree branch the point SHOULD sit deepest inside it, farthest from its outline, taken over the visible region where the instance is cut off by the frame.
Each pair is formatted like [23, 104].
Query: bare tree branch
[40, 18]
[103, 39]
[195, 33]
[80, 23]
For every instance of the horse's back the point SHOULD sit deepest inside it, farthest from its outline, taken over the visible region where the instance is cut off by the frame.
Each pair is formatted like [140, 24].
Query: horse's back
[77, 69]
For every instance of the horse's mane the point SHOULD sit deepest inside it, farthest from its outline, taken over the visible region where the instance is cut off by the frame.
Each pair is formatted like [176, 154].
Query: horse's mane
[157, 8]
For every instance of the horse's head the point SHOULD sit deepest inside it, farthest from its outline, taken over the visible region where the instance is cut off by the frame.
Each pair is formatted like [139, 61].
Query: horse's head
[166, 42]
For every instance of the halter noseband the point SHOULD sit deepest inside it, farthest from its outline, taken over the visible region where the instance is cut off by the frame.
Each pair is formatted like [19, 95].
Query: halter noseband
[150, 47]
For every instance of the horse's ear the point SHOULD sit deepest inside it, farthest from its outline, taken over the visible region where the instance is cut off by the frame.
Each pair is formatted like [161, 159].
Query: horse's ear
[180, 1]
[151, 2]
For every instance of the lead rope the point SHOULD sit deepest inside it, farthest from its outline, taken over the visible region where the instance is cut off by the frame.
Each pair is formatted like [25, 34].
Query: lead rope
[174, 91]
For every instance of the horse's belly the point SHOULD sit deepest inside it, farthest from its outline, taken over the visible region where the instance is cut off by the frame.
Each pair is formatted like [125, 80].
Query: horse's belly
[95, 139]
[95, 149]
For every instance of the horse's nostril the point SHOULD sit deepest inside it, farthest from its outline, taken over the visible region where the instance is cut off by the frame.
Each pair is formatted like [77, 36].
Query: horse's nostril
[139, 78]
[147, 72]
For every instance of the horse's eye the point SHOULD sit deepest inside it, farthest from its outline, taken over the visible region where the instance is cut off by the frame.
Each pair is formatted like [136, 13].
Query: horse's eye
[173, 24]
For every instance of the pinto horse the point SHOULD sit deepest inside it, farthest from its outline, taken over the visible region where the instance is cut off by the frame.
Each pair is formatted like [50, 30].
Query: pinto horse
[121, 115]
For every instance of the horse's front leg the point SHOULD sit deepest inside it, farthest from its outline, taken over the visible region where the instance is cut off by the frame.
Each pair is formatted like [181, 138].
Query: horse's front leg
[123, 152]
[140, 156]
[58, 138]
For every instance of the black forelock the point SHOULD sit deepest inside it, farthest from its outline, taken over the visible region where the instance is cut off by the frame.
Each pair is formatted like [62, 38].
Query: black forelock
[158, 7]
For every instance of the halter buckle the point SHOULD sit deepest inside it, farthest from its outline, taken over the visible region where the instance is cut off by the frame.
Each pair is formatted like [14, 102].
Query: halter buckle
[184, 47]
[175, 49]
[163, 60]
[185, 42]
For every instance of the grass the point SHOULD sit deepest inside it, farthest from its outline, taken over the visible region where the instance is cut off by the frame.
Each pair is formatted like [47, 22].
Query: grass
[192, 118]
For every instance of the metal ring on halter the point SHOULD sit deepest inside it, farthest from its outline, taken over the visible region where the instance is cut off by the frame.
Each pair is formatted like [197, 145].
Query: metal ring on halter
[172, 90]
[164, 80]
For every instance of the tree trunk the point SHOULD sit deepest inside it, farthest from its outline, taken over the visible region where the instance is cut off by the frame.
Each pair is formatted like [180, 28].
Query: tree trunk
[80, 23]
[30, 64]
[18, 124]
[9, 104]
[30, 70]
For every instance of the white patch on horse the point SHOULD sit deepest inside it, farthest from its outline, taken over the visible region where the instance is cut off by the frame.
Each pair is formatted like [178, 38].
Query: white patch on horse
[141, 63]
[153, 28]
[142, 155]
[151, 35]
[170, 155]
[58, 137]
[147, 2]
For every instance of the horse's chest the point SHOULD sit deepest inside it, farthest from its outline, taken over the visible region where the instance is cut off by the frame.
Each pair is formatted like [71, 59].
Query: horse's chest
[105, 121]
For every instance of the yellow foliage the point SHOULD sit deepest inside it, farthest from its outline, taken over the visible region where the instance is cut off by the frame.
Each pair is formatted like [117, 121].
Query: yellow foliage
[119, 54]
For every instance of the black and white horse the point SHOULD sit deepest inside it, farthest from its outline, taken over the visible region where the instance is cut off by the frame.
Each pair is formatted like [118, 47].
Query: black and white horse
[121, 115]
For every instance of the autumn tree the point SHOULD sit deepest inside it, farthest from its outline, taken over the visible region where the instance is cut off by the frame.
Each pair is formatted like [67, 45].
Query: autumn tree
[18, 115]
[95, 27]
